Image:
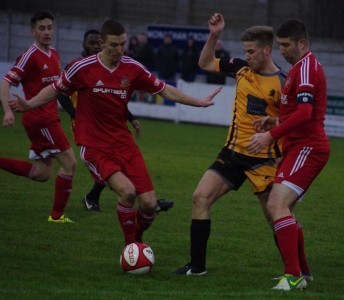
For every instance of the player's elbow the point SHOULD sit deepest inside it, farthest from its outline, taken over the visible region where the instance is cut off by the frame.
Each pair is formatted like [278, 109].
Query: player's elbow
[207, 65]
[305, 111]
[203, 64]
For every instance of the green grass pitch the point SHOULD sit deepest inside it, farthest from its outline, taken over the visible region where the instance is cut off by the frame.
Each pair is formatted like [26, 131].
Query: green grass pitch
[39, 260]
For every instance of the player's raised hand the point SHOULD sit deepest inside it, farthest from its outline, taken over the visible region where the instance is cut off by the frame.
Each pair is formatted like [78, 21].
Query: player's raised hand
[216, 23]
[208, 101]
[18, 104]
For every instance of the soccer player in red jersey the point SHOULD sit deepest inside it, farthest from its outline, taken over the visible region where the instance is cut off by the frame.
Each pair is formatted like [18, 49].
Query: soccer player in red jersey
[91, 200]
[105, 83]
[35, 69]
[306, 147]
[91, 46]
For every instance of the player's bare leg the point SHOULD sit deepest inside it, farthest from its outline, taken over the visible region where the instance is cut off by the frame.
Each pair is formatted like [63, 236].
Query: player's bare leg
[210, 188]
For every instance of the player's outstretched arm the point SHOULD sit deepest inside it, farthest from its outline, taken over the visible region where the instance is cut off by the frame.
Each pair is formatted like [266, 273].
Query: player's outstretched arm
[173, 94]
[207, 60]
[46, 95]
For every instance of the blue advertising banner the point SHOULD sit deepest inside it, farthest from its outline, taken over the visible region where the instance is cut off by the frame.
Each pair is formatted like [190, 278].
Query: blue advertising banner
[180, 34]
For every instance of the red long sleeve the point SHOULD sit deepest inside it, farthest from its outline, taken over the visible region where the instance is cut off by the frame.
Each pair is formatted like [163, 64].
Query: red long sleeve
[302, 114]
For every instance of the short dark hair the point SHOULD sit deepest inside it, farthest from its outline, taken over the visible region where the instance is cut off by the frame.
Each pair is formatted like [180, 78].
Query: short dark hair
[90, 31]
[111, 27]
[262, 34]
[41, 15]
[293, 29]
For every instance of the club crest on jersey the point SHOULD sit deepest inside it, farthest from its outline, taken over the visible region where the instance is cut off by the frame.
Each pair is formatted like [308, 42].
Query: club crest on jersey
[272, 93]
[125, 82]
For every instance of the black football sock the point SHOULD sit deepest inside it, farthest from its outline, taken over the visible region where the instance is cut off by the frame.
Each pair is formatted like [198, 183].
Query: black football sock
[94, 193]
[200, 232]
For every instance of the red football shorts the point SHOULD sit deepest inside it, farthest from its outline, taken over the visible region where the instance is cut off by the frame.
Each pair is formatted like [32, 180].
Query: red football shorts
[47, 141]
[103, 162]
[299, 167]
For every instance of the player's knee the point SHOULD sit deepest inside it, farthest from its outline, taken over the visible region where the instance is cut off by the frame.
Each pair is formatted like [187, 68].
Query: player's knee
[41, 176]
[67, 162]
[200, 199]
[271, 208]
[42, 170]
[148, 205]
[127, 195]
[72, 165]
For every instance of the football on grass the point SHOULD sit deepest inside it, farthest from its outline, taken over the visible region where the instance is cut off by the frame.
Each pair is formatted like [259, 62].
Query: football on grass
[137, 258]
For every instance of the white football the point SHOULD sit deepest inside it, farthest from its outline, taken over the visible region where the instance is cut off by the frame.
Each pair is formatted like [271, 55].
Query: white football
[137, 258]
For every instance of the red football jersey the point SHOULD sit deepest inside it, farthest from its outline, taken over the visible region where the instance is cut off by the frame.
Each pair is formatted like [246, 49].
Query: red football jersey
[103, 95]
[34, 70]
[305, 83]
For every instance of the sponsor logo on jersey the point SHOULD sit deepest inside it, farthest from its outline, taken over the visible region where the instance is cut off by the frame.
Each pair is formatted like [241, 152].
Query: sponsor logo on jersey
[284, 99]
[50, 79]
[156, 82]
[45, 67]
[99, 83]
[121, 93]
[256, 106]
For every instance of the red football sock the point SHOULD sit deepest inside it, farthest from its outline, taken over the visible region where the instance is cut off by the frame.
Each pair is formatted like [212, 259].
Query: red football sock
[276, 242]
[16, 167]
[143, 221]
[126, 217]
[286, 232]
[63, 188]
[301, 249]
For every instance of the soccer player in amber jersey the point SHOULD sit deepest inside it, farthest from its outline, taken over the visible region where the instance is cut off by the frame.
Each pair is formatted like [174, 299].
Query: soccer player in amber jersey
[258, 91]
[36, 68]
[306, 147]
[105, 83]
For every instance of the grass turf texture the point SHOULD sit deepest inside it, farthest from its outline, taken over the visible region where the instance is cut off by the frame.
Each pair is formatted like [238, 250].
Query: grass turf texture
[40, 260]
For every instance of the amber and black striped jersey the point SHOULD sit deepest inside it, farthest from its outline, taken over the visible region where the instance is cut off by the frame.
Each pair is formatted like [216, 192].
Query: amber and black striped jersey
[257, 95]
